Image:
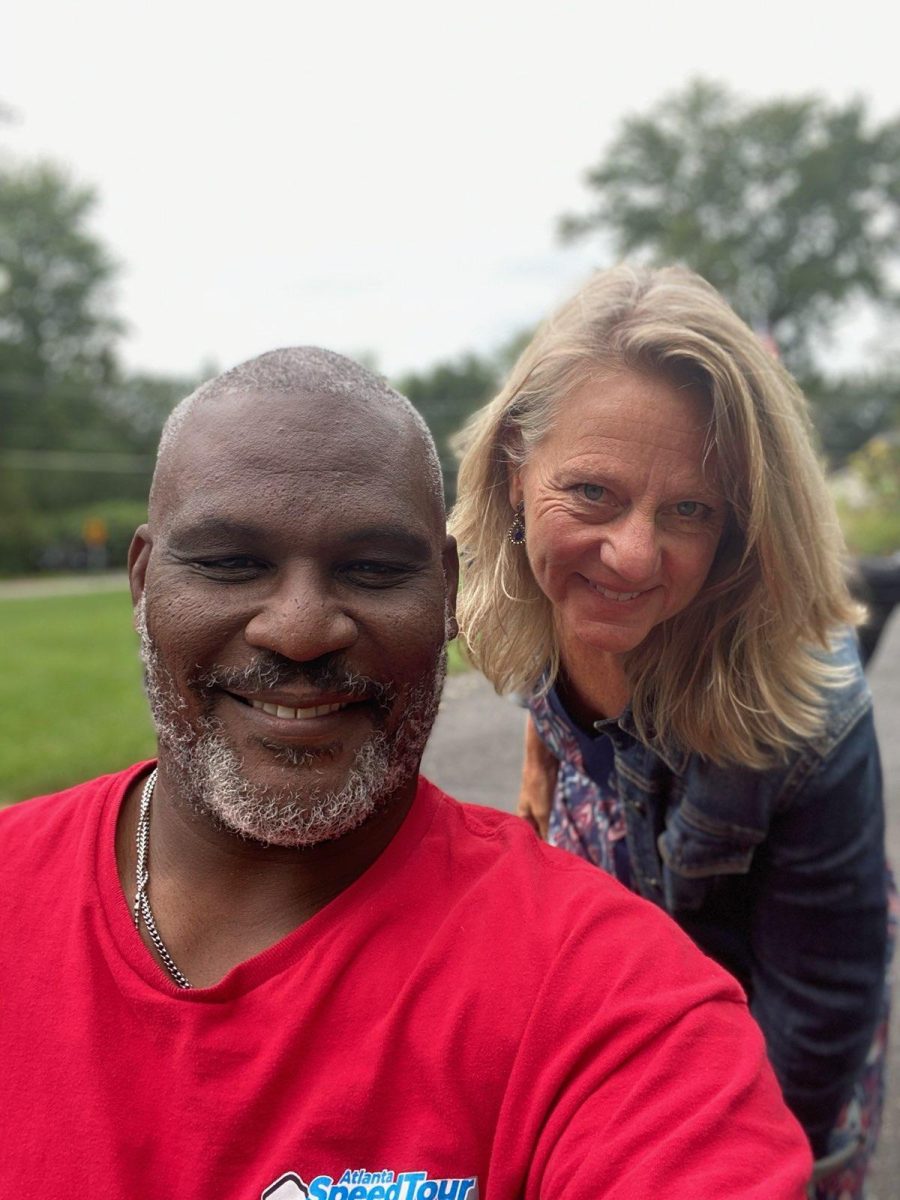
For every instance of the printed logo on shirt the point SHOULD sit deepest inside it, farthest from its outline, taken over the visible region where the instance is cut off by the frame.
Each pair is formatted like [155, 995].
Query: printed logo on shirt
[372, 1185]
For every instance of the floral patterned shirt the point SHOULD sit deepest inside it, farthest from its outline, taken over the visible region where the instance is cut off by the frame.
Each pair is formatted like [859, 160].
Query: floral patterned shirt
[586, 818]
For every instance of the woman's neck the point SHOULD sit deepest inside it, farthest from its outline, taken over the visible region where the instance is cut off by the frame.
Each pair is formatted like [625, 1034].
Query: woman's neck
[592, 683]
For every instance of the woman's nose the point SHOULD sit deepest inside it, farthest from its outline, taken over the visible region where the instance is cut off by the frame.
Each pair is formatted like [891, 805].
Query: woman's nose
[302, 619]
[631, 547]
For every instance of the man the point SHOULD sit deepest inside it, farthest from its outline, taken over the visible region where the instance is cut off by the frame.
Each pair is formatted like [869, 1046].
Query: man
[278, 964]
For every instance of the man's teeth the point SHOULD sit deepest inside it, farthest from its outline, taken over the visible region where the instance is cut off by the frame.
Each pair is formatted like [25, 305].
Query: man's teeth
[296, 714]
[611, 595]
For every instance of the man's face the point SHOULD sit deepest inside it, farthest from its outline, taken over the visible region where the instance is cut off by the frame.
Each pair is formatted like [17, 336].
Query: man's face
[292, 590]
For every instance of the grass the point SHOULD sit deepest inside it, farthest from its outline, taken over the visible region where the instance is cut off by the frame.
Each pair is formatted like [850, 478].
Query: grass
[874, 530]
[70, 692]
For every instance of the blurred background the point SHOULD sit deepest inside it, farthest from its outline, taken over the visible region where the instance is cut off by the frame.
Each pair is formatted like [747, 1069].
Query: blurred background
[183, 186]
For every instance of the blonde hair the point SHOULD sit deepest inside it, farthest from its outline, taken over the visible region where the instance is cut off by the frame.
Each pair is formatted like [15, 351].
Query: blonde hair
[738, 676]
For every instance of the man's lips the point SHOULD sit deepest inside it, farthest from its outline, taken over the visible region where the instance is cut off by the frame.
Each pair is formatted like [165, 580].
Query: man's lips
[289, 707]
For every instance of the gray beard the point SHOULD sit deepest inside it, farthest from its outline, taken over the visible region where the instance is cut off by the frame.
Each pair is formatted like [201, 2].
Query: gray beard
[208, 771]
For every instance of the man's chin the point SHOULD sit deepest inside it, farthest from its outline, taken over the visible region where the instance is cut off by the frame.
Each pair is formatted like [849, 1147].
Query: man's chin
[294, 797]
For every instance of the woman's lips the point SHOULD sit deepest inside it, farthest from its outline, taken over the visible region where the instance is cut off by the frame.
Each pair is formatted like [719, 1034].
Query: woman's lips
[619, 597]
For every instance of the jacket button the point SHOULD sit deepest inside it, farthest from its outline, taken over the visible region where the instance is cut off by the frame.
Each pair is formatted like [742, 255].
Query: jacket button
[639, 807]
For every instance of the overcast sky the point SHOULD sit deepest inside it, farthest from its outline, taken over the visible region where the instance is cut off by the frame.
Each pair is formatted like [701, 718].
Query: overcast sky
[379, 177]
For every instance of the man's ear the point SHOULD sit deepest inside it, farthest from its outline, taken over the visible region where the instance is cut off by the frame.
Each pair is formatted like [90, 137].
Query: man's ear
[138, 558]
[450, 559]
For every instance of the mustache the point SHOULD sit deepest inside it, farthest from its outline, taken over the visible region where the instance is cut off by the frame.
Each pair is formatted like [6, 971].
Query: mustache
[270, 671]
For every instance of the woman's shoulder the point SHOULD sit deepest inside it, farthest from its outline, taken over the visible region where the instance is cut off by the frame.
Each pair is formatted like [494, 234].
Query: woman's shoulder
[845, 694]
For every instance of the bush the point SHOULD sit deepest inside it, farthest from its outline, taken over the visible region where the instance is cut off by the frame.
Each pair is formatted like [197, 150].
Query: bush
[49, 541]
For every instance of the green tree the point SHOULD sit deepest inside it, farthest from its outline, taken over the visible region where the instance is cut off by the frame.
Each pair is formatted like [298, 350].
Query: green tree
[76, 435]
[57, 331]
[446, 395]
[790, 207]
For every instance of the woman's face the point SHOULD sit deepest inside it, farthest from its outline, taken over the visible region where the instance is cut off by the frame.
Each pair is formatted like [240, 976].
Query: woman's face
[623, 510]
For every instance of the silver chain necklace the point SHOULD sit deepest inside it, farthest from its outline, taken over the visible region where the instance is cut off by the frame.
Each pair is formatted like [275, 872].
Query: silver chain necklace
[142, 878]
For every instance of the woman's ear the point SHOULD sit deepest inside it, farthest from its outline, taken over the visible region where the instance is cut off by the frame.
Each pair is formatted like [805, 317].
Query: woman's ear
[516, 491]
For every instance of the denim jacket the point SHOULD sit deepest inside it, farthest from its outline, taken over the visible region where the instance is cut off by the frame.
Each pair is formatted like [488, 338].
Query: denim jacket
[778, 874]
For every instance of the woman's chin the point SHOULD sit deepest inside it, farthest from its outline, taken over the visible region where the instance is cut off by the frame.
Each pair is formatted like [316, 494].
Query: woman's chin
[600, 639]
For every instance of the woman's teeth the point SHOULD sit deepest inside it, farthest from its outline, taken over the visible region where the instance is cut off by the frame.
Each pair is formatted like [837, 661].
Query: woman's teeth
[611, 595]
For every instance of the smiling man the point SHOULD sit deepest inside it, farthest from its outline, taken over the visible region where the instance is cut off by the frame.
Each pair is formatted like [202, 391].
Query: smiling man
[276, 962]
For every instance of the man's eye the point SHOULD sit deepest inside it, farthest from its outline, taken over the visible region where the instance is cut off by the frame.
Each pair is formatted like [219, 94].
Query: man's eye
[231, 566]
[592, 491]
[375, 573]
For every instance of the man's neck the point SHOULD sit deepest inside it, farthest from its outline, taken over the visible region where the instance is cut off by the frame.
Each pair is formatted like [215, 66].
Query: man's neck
[219, 899]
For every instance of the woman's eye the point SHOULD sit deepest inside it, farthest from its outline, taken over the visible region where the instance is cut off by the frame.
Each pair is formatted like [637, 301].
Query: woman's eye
[592, 491]
[692, 508]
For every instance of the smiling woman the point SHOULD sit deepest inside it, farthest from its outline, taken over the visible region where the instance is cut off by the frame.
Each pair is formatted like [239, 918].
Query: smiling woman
[652, 558]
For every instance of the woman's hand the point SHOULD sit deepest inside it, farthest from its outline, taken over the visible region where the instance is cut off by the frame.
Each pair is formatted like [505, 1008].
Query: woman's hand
[539, 771]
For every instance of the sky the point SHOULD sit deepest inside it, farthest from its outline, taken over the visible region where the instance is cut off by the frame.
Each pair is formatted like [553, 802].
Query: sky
[379, 178]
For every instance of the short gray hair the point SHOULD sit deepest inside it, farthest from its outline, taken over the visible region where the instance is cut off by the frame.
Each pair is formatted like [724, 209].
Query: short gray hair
[296, 369]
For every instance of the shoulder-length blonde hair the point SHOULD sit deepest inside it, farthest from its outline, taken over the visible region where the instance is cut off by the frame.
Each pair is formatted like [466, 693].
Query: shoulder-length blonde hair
[736, 676]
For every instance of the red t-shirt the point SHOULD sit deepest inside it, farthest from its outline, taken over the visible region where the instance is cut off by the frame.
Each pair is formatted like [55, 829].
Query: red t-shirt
[477, 1015]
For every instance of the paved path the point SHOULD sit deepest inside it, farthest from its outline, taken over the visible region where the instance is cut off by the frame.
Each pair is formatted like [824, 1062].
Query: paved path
[35, 586]
[475, 754]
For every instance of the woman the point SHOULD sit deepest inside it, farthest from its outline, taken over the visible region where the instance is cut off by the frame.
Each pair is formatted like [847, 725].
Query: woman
[652, 557]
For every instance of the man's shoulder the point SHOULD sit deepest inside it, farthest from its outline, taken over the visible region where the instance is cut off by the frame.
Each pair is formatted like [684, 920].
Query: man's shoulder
[539, 895]
[501, 844]
[43, 817]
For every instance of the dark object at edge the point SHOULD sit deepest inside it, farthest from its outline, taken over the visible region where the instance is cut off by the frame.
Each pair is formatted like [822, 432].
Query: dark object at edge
[876, 583]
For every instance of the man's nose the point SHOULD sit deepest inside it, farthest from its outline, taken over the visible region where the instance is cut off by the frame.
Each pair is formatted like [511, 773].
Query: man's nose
[631, 547]
[301, 619]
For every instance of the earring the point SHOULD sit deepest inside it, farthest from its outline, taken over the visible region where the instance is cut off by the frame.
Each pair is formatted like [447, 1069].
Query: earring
[516, 533]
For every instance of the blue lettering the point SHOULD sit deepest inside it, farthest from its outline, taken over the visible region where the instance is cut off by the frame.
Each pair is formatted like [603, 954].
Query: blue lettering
[346, 1177]
[358, 1193]
[376, 1192]
[412, 1179]
[427, 1190]
[318, 1189]
[465, 1185]
[448, 1189]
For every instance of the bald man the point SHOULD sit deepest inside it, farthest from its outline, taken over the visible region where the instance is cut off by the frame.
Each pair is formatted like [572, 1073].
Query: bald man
[278, 963]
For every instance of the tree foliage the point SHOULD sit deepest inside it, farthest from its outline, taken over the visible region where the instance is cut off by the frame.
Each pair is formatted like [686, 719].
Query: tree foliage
[446, 395]
[57, 331]
[790, 207]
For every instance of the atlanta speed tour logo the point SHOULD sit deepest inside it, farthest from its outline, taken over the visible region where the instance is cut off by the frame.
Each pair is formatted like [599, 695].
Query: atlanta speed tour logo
[372, 1185]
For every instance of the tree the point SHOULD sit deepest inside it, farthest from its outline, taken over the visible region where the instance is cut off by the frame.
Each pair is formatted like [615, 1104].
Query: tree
[790, 207]
[57, 333]
[445, 396]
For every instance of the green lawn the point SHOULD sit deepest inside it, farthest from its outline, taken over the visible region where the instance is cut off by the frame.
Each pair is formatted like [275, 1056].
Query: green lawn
[70, 692]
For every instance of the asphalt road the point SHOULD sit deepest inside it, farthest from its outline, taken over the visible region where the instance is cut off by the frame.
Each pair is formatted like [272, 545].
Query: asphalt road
[475, 753]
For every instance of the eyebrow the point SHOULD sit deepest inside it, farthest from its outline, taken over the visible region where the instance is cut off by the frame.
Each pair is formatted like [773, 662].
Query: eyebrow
[416, 545]
[211, 528]
[405, 540]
